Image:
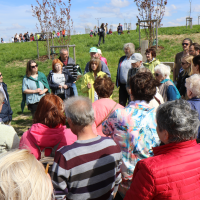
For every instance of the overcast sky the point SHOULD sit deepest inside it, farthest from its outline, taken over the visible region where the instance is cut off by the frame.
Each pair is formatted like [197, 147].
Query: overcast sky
[16, 16]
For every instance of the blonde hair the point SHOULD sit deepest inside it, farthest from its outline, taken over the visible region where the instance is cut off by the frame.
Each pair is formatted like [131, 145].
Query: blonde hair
[23, 177]
[193, 84]
[131, 46]
[188, 59]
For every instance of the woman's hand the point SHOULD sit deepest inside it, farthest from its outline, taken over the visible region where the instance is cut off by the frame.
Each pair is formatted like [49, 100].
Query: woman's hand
[43, 91]
[89, 85]
[38, 90]
[65, 86]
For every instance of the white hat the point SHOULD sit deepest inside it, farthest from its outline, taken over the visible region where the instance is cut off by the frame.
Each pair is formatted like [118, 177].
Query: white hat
[136, 57]
[99, 51]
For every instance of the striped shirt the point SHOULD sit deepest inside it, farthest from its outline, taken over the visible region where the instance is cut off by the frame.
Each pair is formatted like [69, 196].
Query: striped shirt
[88, 169]
[71, 66]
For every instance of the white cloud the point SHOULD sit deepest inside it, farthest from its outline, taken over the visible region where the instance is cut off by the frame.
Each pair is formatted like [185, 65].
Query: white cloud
[173, 6]
[85, 16]
[181, 19]
[169, 10]
[105, 9]
[15, 27]
[119, 3]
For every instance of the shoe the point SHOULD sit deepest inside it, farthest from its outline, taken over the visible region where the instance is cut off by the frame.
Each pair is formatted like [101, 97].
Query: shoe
[98, 45]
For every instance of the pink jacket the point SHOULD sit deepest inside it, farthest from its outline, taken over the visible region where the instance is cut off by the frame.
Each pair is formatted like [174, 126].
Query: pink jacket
[104, 60]
[44, 136]
[101, 109]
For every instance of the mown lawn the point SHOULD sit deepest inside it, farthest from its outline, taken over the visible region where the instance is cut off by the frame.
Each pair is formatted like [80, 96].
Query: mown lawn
[13, 59]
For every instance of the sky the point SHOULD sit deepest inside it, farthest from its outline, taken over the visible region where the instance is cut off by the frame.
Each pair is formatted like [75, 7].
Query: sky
[16, 16]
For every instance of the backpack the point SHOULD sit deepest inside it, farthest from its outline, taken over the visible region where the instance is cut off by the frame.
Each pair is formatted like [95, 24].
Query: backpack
[100, 30]
[47, 161]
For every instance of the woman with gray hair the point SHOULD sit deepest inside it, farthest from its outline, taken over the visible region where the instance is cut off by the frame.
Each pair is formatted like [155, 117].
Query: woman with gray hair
[167, 88]
[122, 72]
[8, 136]
[173, 171]
[193, 92]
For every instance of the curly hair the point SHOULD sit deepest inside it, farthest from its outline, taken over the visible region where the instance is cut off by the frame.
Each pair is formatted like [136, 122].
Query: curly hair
[55, 61]
[98, 62]
[143, 86]
[104, 86]
[151, 51]
[50, 111]
[193, 84]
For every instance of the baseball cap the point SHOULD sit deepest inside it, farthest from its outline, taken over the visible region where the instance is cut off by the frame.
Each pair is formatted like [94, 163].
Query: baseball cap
[99, 51]
[93, 49]
[136, 57]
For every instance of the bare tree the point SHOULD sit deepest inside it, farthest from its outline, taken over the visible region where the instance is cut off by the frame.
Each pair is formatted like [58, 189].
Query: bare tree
[54, 15]
[151, 10]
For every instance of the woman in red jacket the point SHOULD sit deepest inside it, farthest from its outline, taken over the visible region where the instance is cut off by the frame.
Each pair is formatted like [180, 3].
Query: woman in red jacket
[173, 171]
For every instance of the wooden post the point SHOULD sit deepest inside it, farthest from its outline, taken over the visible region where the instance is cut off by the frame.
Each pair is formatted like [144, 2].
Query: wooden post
[139, 33]
[52, 50]
[48, 49]
[186, 22]
[157, 34]
[198, 19]
[74, 53]
[144, 46]
[37, 49]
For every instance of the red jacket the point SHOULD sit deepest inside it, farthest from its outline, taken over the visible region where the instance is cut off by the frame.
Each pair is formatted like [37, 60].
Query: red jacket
[172, 173]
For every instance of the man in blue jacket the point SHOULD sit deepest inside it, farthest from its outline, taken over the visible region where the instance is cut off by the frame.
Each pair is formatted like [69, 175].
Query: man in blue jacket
[6, 112]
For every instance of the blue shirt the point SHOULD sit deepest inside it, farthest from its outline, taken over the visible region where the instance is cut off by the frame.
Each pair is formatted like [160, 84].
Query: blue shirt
[31, 85]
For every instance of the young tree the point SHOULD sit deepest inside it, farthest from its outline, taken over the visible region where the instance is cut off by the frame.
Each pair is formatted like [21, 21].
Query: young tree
[151, 10]
[54, 15]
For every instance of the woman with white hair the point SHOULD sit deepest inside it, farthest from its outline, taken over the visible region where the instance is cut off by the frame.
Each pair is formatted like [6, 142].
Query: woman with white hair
[167, 88]
[193, 92]
[122, 72]
[23, 177]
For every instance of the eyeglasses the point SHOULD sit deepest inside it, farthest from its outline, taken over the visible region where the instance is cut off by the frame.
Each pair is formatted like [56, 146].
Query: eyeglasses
[182, 63]
[156, 74]
[185, 44]
[0, 75]
[34, 66]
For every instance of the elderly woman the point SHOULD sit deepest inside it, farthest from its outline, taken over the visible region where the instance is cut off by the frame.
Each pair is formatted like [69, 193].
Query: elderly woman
[23, 177]
[186, 63]
[167, 88]
[104, 106]
[173, 171]
[34, 87]
[60, 80]
[196, 65]
[8, 136]
[122, 72]
[151, 61]
[193, 92]
[48, 129]
[134, 127]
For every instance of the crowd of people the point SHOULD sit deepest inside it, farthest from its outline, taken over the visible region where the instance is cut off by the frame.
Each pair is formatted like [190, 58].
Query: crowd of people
[144, 147]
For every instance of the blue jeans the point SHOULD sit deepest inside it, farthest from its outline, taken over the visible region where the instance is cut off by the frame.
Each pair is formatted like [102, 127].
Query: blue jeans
[75, 89]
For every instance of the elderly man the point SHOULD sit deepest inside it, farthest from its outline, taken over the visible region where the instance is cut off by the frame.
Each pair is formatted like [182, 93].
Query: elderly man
[6, 112]
[136, 64]
[69, 63]
[89, 168]
[194, 49]
[94, 54]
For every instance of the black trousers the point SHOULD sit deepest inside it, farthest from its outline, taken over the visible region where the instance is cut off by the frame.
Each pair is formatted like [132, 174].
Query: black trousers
[101, 36]
[123, 95]
[33, 108]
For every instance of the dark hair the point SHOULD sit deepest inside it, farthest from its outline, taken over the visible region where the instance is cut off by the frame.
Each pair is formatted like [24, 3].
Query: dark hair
[50, 111]
[95, 60]
[196, 60]
[188, 39]
[152, 51]
[102, 25]
[28, 67]
[196, 46]
[143, 86]
[104, 86]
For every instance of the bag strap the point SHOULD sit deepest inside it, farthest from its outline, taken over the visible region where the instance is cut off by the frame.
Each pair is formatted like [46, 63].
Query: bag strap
[106, 116]
[157, 100]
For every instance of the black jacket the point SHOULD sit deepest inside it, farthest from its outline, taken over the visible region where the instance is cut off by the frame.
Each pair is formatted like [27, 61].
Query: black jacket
[181, 83]
[6, 112]
[68, 81]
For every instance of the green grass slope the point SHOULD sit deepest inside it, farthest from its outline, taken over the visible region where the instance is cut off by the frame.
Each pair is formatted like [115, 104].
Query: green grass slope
[14, 56]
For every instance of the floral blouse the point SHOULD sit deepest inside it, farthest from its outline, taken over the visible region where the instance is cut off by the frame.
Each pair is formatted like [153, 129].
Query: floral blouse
[134, 129]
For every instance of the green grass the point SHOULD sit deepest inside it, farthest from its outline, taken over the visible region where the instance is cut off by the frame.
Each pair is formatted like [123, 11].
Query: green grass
[14, 56]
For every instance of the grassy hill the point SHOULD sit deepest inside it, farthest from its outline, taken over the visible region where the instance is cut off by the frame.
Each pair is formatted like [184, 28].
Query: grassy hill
[14, 56]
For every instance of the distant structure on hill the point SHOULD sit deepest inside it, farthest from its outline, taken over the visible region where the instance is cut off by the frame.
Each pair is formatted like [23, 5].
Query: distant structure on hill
[87, 30]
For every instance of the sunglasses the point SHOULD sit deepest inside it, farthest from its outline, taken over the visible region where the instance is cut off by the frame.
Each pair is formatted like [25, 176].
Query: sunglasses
[34, 66]
[156, 74]
[185, 44]
[0, 75]
[182, 63]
